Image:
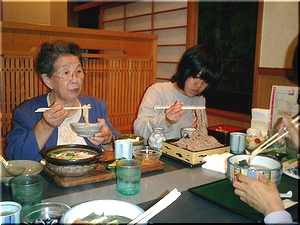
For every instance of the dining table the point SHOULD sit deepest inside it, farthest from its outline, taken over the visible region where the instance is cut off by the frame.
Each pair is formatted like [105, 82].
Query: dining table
[154, 185]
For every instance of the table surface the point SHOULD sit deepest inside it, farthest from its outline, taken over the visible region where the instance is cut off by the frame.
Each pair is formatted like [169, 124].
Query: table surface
[188, 208]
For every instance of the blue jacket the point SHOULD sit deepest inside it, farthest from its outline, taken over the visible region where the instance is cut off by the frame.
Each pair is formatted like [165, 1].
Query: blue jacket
[21, 141]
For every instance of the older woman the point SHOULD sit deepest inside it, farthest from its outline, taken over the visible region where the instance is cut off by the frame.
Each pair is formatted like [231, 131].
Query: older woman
[59, 64]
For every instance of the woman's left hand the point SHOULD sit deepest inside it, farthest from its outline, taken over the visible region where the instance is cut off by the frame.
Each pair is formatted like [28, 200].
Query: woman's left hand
[105, 138]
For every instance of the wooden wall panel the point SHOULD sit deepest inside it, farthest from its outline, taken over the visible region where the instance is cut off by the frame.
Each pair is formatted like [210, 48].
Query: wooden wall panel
[120, 78]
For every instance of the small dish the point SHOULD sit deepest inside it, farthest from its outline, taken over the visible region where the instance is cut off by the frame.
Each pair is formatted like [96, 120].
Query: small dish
[147, 155]
[291, 168]
[111, 164]
[86, 130]
[44, 213]
[31, 167]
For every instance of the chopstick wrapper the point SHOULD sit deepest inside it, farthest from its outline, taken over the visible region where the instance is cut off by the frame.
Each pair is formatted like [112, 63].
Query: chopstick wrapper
[216, 162]
[261, 120]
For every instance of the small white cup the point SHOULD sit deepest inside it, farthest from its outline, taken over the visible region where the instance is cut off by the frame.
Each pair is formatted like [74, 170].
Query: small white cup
[123, 148]
[10, 212]
[186, 131]
[237, 142]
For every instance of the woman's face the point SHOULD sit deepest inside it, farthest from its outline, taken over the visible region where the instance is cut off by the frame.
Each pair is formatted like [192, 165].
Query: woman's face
[194, 86]
[66, 82]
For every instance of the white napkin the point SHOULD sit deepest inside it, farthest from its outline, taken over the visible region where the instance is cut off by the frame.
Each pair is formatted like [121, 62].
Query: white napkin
[216, 162]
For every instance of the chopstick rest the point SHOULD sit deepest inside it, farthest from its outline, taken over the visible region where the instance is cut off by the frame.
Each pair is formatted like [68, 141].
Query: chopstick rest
[65, 108]
[155, 209]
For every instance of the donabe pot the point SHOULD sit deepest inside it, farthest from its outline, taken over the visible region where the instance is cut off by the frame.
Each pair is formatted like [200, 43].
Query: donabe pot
[74, 148]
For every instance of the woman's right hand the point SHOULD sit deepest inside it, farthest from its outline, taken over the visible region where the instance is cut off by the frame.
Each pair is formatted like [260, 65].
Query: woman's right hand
[174, 113]
[55, 116]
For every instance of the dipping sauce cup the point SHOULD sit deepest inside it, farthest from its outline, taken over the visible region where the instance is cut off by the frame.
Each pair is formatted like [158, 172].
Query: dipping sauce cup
[27, 190]
[10, 212]
[128, 176]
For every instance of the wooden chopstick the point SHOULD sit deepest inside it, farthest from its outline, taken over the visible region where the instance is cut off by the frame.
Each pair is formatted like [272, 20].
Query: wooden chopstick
[183, 107]
[271, 141]
[65, 108]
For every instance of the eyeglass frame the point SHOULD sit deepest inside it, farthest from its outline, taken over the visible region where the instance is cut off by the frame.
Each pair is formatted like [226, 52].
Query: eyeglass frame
[76, 73]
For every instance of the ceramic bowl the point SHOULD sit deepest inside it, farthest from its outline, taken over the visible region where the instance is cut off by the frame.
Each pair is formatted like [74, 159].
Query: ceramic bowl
[83, 160]
[146, 154]
[31, 167]
[252, 142]
[84, 130]
[186, 131]
[99, 207]
[44, 213]
[270, 167]
[137, 140]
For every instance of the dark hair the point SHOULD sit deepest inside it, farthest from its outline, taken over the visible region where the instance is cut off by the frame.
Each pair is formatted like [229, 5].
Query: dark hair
[204, 58]
[51, 51]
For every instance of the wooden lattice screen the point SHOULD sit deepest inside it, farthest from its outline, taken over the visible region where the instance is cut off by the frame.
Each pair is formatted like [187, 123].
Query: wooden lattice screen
[121, 82]
[120, 71]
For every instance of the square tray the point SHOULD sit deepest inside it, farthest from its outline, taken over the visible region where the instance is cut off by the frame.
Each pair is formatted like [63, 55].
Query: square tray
[221, 193]
[189, 157]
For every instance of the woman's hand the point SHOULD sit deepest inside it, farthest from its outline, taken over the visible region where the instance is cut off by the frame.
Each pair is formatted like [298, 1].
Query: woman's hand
[105, 138]
[260, 193]
[293, 131]
[174, 113]
[55, 116]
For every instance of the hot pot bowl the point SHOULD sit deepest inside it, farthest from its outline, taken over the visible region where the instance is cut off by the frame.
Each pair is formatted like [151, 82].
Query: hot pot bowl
[71, 160]
[270, 167]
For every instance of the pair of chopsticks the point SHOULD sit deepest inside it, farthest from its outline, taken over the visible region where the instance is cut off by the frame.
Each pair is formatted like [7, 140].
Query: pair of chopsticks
[183, 107]
[158, 207]
[65, 108]
[270, 141]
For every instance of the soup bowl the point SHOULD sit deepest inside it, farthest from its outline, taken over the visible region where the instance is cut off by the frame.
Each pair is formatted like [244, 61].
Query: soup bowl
[118, 208]
[86, 130]
[271, 168]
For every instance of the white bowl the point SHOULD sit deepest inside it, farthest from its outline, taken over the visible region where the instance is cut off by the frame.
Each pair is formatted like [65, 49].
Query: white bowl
[108, 207]
[84, 130]
[31, 167]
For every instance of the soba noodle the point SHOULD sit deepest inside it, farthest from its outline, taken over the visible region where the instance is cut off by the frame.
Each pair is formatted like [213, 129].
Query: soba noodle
[200, 140]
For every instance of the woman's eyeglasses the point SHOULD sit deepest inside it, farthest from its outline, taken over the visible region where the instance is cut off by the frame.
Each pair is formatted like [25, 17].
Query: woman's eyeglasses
[68, 75]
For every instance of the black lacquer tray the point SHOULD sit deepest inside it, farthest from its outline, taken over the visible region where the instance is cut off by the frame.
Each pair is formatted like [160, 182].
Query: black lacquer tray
[221, 193]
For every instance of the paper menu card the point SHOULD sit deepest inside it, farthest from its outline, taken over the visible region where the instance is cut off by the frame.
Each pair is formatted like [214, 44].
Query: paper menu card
[283, 103]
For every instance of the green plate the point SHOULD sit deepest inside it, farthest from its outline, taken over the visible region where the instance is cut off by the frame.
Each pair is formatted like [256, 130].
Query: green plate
[221, 193]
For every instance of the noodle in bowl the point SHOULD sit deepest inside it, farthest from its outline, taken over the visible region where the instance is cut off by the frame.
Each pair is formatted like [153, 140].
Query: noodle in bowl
[270, 167]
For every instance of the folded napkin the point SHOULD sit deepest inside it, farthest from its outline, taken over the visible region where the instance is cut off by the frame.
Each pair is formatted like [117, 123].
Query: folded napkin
[216, 162]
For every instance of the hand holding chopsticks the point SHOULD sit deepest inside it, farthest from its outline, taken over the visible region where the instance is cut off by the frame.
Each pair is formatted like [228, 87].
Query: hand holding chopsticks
[271, 141]
[155, 209]
[65, 108]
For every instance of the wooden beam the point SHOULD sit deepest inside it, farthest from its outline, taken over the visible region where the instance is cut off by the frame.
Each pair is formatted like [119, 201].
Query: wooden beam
[88, 5]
